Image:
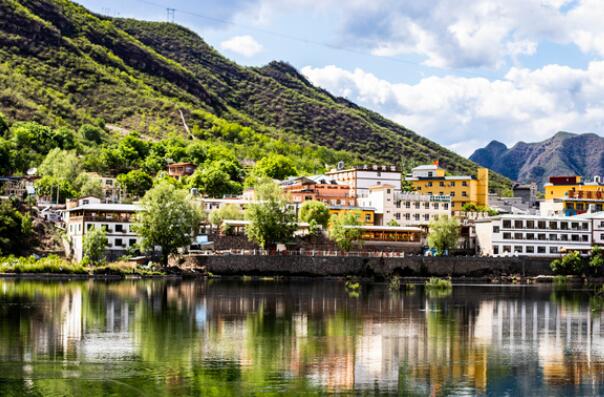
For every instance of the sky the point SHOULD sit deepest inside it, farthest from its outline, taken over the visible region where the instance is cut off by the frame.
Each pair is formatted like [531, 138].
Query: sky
[460, 72]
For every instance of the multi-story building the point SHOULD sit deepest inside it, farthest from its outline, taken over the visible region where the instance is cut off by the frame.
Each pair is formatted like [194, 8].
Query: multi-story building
[533, 235]
[361, 178]
[365, 215]
[318, 188]
[463, 189]
[560, 187]
[526, 192]
[405, 208]
[116, 219]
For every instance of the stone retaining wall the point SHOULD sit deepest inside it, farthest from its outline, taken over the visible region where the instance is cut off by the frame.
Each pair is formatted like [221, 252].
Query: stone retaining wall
[469, 266]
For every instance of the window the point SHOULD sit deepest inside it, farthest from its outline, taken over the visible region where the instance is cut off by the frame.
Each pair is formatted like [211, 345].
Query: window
[108, 182]
[564, 225]
[118, 242]
[574, 237]
[428, 184]
[427, 205]
[89, 226]
[441, 184]
[495, 250]
[541, 225]
[426, 217]
[416, 217]
[518, 224]
[407, 216]
[584, 238]
[119, 228]
[452, 194]
[387, 191]
[553, 237]
[417, 204]
[575, 226]
[397, 216]
[446, 206]
[564, 237]
[507, 224]
[601, 236]
[541, 236]
[584, 226]
[541, 250]
[553, 225]
[517, 236]
[452, 184]
[518, 249]
[464, 194]
[553, 250]
[530, 249]
[407, 204]
[530, 236]
[132, 242]
[530, 224]
[507, 248]
[464, 183]
[507, 236]
[441, 193]
[435, 206]
[495, 229]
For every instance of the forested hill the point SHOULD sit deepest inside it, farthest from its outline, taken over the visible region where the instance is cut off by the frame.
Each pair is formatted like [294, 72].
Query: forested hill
[62, 65]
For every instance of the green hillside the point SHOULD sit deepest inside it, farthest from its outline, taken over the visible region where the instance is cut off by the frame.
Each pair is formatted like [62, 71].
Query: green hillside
[61, 65]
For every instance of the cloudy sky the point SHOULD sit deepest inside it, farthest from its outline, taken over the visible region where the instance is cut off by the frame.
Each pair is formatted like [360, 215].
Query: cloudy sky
[461, 72]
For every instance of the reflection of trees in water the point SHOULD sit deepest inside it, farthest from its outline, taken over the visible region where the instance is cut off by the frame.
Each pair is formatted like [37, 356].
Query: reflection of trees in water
[229, 338]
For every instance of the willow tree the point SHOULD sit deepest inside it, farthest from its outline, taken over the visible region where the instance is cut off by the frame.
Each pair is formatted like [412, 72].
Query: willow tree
[444, 234]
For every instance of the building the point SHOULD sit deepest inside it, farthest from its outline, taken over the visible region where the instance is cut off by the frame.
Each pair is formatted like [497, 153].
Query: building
[408, 237]
[526, 192]
[178, 170]
[533, 235]
[361, 178]
[318, 188]
[560, 187]
[463, 189]
[116, 219]
[365, 215]
[405, 208]
[211, 204]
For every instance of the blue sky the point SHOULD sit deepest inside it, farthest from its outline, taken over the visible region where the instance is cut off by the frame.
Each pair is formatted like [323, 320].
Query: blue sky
[460, 72]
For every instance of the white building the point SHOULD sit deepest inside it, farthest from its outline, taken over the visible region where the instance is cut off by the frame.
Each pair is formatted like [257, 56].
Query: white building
[406, 208]
[533, 235]
[116, 219]
[361, 178]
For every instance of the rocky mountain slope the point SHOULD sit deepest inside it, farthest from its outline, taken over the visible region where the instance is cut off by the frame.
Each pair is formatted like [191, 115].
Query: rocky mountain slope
[62, 65]
[563, 154]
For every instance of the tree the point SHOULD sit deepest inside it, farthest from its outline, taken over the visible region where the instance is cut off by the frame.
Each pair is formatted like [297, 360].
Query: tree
[571, 263]
[47, 186]
[444, 233]
[135, 183]
[315, 211]
[94, 246]
[343, 229]
[226, 212]
[393, 222]
[91, 133]
[89, 185]
[213, 181]
[596, 260]
[168, 220]
[3, 124]
[275, 166]
[61, 164]
[271, 221]
[16, 231]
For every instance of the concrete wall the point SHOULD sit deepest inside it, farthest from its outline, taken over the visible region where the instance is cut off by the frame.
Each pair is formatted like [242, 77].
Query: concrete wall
[338, 266]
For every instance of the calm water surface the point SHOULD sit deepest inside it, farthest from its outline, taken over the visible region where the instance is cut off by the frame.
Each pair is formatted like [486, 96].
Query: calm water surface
[223, 338]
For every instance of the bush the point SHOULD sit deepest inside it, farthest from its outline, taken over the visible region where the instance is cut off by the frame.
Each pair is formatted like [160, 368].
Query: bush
[49, 264]
[438, 283]
[571, 263]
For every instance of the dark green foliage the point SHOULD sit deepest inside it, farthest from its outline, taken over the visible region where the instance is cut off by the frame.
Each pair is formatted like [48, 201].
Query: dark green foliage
[16, 231]
[135, 183]
[214, 181]
[315, 211]
[571, 263]
[91, 133]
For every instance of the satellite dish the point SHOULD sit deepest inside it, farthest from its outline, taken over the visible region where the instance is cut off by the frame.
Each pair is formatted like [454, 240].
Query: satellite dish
[340, 165]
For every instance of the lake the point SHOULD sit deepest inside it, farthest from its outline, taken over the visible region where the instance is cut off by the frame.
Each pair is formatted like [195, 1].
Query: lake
[297, 337]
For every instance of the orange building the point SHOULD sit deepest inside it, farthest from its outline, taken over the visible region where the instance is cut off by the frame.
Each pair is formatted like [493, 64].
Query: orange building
[318, 188]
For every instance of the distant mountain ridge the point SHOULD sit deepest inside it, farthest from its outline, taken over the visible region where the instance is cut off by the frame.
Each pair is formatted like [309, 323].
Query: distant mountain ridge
[565, 153]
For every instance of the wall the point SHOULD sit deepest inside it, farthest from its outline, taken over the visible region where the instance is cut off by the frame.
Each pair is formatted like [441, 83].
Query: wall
[339, 266]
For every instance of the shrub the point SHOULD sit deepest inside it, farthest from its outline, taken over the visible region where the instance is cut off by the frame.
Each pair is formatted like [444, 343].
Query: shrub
[571, 263]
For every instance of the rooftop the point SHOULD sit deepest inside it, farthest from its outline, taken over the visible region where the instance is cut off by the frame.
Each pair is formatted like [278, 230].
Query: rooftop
[107, 207]
[426, 167]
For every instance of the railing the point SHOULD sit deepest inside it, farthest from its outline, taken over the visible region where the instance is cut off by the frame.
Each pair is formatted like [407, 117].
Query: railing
[302, 252]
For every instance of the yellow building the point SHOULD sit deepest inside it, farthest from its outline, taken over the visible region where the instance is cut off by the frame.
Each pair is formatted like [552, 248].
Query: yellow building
[463, 189]
[560, 187]
[365, 215]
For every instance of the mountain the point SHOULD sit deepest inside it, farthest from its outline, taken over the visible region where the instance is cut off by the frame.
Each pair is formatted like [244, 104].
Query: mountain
[63, 65]
[563, 154]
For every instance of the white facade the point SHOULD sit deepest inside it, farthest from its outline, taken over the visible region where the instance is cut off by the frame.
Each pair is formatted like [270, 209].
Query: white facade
[406, 208]
[116, 219]
[361, 178]
[532, 235]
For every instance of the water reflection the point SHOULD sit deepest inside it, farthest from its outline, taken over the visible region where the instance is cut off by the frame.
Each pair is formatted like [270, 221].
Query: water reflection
[158, 337]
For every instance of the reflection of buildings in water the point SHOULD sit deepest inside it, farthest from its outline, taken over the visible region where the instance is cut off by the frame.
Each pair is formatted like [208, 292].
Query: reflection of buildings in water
[71, 327]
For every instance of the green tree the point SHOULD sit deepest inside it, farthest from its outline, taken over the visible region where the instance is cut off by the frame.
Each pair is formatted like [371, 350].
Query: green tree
[596, 260]
[271, 221]
[213, 181]
[135, 183]
[91, 133]
[94, 246]
[275, 166]
[226, 212]
[443, 235]
[393, 222]
[47, 186]
[168, 220]
[343, 229]
[61, 164]
[3, 124]
[16, 231]
[89, 185]
[571, 263]
[315, 211]
[6, 157]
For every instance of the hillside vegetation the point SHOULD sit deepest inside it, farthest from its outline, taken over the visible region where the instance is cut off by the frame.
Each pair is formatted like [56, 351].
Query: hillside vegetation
[61, 65]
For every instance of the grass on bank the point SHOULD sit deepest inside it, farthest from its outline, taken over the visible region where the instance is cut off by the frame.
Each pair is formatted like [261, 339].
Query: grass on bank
[58, 265]
[438, 283]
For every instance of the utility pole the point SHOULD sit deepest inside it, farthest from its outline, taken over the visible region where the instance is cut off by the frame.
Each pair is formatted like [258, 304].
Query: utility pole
[170, 14]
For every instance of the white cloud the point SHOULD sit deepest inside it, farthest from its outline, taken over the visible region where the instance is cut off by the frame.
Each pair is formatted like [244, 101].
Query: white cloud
[466, 113]
[243, 45]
